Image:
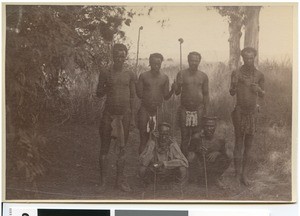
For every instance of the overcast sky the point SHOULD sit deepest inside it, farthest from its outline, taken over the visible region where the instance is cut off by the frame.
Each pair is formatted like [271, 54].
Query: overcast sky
[206, 31]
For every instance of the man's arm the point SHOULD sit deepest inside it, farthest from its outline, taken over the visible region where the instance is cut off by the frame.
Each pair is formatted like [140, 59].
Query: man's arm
[101, 88]
[216, 149]
[132, 85]
[177, 158]
[205, 92]
[178, 83]
[219, 146]
[261, 84]
[233, 84]
[259, 87]
[167, 93]
[139, 87]
[148, 154]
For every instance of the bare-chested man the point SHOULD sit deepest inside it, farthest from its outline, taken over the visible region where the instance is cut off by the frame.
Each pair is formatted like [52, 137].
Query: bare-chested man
[152, 88]
[213, 149]
[192, 84]
[247, 83]
[118, 85]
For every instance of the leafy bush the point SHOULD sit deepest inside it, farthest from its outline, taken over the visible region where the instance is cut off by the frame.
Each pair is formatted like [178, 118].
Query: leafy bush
[44, 46]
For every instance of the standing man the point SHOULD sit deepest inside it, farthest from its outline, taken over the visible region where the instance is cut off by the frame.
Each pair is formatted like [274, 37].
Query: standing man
[192, 84]
[152, 88]
[247, 83]
[118, 85]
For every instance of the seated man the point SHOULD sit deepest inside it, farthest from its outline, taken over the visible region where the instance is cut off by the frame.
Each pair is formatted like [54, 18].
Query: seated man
[163, 156]
[212, 150]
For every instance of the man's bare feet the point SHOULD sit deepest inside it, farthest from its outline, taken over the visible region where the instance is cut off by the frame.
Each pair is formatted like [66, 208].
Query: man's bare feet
[245, 181]
[220, 184]
[238, 180]
[102, 186]
[124, 186]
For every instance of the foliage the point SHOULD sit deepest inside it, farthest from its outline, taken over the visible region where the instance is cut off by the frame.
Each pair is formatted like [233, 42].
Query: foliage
[45, 46]
[232, 13]
[238, 17]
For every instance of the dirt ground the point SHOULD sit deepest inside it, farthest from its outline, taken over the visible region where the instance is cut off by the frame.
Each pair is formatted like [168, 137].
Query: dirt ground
[72, 173]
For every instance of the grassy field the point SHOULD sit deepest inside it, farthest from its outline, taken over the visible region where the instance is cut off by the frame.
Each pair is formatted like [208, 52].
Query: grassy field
[72, 146]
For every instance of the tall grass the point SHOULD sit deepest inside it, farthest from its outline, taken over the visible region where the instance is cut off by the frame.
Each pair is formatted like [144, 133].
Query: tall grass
[276, 107]
[272, 145]
[277, 104]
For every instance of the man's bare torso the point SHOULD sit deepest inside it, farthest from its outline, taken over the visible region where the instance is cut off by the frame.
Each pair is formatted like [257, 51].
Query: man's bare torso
[152, 89]
[118, 88]
[246, 98]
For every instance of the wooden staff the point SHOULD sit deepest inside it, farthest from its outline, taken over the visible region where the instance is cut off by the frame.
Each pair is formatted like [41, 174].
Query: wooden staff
[205, 171]
[205, 174]
[138, 48]
[180, 42]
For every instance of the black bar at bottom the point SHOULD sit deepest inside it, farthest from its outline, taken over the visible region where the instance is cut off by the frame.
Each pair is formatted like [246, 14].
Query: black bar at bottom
[73, 212]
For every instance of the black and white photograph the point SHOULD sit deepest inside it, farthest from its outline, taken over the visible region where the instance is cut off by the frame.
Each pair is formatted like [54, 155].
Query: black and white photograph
[150, 102]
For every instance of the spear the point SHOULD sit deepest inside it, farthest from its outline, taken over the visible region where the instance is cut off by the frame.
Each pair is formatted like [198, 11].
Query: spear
[138, 47]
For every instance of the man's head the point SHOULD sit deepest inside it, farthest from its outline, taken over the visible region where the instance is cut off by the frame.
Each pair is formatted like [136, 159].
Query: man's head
[119, 54]
[248, 54]
[164, 133]
[194, 59]
[155, 61]
[210, 124]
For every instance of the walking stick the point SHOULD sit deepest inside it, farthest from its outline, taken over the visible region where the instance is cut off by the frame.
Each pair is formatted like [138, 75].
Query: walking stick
[154, 184]
[205, 171]
[155, 160]
[155, 174]
[205, 174]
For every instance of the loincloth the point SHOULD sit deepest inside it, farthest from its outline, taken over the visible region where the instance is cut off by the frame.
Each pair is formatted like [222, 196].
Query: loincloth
[189, 118]
[147, 120]
[117, 132]
[244, 121]
[151, 124]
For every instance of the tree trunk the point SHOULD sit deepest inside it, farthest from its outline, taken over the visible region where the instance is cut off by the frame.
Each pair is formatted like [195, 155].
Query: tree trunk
[252, 28]
[235, 34]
